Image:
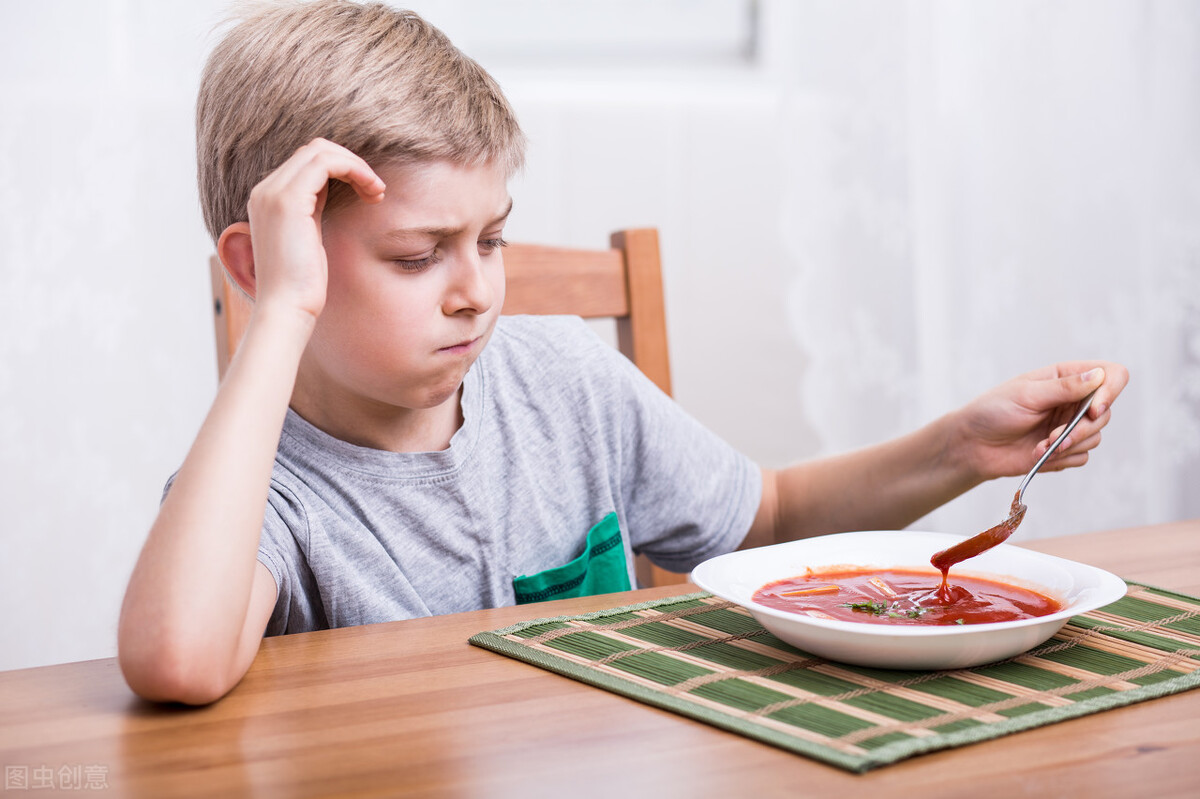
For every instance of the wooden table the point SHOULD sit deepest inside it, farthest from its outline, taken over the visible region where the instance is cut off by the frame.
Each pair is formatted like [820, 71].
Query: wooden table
[410, 708]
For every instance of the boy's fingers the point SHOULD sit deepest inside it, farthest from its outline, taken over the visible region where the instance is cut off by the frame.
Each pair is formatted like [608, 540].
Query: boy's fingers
[1085, 428]
[1058, 394]
[1116, 376]
[1080, 441]
[349, 168]
[1072, 388]
[1071, 461]
[1086, 444]
[334, 161]
[312, 166]
[1070, 381]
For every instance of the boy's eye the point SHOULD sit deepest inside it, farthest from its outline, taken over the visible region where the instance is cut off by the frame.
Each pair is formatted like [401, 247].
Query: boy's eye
[487, 246]
[417, 264]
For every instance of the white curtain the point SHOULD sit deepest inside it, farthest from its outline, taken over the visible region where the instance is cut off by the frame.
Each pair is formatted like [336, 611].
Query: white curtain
[975, 189]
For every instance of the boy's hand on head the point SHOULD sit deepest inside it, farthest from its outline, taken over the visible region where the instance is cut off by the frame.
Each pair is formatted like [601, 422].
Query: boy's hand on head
[1008, 428]
[285, 208]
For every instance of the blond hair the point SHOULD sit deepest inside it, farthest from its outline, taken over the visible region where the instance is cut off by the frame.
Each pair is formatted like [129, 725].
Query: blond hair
[381, 82]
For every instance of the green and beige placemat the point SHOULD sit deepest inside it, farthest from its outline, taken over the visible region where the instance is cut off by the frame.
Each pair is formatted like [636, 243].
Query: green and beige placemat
[707, 658]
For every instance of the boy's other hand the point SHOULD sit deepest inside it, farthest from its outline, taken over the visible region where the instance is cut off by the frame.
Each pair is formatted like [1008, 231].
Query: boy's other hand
[1008, 428]
[277, 257]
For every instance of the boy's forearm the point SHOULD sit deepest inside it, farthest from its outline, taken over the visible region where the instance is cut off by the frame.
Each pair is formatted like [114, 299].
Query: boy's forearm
[884, 487]
[187, 600]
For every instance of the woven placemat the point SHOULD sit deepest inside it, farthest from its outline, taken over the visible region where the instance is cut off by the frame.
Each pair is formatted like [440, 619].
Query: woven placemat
[707, 658]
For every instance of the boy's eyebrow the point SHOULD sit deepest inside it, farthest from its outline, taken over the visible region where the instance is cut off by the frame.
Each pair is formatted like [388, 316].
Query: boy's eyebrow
[444, 232]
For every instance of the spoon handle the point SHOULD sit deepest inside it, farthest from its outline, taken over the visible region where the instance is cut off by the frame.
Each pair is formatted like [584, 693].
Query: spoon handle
[1087, 403]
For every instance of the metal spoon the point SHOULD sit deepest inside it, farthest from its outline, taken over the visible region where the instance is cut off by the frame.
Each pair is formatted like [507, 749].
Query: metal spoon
[989, 538]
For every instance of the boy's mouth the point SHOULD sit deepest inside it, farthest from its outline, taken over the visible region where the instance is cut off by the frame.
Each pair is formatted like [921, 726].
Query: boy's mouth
[462, 347]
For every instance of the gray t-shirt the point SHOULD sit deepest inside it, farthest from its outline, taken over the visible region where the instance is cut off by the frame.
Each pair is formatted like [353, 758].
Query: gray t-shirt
[558, 431]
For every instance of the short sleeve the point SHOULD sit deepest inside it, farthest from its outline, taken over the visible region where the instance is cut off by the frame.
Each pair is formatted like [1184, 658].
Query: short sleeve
[281, 548]
[688, 494]
[277, 550]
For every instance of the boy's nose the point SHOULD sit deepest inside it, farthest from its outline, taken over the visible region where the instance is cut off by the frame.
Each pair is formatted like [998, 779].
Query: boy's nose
[470, 290]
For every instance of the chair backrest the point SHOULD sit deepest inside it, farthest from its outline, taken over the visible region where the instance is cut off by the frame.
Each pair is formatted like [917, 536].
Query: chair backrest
[622, 282]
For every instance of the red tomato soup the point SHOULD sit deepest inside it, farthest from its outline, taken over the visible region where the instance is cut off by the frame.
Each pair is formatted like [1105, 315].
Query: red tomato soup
[899, 596]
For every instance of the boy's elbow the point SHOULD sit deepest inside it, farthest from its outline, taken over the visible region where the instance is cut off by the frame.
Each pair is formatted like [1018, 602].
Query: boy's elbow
[172, 687]
[174, 673]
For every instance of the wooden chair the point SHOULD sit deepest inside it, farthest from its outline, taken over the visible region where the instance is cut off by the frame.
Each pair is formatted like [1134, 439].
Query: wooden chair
[623, 282]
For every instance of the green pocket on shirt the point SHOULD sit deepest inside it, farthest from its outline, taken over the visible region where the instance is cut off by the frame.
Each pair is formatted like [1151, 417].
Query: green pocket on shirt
[599, 570]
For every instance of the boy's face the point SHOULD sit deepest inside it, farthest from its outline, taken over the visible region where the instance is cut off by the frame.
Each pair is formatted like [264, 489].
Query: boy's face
[416, 284]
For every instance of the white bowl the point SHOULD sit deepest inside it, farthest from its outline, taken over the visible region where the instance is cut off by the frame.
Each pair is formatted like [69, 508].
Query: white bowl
[738, 575]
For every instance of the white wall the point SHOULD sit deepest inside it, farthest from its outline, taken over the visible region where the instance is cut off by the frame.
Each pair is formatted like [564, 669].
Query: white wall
[896, 206]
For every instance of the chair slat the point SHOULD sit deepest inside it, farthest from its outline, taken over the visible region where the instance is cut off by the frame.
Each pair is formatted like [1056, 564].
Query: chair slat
[555, 280]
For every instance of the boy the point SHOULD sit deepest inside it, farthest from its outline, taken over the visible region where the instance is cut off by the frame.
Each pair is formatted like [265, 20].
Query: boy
[385, 446]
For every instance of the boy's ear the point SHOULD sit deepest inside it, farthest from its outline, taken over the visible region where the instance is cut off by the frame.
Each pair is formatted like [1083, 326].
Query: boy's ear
[236, 252]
